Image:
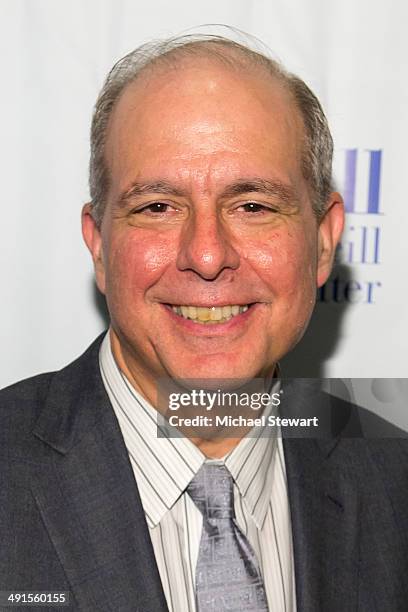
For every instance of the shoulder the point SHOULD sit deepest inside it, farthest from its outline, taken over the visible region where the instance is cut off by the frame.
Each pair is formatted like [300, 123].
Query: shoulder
[367, 438]
[20, 407]
[359, 443]
[26, 390]
[22, 404]
[374, 455]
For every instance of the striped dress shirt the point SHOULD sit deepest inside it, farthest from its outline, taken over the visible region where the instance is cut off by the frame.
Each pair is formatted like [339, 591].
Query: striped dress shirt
[163, 467]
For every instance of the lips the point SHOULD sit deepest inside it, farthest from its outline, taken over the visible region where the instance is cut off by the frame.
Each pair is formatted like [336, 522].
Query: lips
[211, 314]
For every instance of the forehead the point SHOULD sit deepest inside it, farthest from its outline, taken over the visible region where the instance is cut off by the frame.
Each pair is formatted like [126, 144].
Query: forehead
[203, 111]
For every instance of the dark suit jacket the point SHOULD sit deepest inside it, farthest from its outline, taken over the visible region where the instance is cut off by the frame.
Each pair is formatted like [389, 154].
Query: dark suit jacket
[71, 517]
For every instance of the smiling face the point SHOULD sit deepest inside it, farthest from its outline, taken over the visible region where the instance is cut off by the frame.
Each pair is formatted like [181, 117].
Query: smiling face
[209, 253]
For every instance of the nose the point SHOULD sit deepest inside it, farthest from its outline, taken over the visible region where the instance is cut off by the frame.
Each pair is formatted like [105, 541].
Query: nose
[206, 248]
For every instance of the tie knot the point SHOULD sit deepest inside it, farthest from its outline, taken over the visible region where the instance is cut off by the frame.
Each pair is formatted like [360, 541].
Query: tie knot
[212, 491]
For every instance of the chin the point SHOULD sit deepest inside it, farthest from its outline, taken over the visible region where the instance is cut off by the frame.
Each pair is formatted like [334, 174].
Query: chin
[217, 368]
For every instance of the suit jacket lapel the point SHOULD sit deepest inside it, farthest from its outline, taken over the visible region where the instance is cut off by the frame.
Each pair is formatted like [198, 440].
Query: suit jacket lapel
[325, 527]
[87, 495]
[323, 501]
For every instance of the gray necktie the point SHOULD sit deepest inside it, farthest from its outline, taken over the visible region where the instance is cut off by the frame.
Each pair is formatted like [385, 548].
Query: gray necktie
[227, 574]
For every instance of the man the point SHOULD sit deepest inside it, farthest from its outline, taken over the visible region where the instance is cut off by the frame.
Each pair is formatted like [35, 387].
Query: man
[212, 222]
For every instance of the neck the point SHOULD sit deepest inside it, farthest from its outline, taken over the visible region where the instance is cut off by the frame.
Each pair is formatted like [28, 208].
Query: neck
[216, 449]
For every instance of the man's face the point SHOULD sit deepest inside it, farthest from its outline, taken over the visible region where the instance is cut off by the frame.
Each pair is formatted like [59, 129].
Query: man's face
[208, 209]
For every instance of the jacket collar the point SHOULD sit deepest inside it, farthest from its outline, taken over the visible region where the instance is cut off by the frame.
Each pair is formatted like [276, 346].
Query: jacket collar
[76, 401]
[323, 499]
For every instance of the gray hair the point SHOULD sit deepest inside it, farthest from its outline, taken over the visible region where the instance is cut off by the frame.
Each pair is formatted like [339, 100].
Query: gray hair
[318, 143]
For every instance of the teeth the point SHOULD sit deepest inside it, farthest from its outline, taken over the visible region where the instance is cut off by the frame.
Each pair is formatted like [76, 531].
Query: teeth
[226, 311]
[203, 314]
[208, 316]
[192, 312]
[216, 314]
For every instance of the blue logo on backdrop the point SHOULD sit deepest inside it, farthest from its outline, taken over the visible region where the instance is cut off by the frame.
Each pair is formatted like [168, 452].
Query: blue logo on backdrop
[372, 203]
[360, 244]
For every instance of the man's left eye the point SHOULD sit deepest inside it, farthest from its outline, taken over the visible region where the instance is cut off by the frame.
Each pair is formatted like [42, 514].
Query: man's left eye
[255, 207]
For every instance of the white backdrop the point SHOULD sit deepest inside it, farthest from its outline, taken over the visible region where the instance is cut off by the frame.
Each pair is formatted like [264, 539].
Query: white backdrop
[55, 54]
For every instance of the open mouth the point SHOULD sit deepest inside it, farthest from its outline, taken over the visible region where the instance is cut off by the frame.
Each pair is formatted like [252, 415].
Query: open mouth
[209, 315]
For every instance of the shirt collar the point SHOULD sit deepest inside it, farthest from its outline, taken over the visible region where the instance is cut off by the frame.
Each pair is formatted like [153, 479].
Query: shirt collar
[169, 464]
[250, 464]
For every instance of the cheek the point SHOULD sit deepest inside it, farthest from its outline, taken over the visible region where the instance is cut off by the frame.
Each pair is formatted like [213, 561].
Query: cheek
[286, 262]
[136, 261]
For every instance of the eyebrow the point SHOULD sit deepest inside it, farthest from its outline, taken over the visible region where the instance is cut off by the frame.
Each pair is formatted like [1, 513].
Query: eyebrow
[274, 188]
[271, 188]
[138, 189]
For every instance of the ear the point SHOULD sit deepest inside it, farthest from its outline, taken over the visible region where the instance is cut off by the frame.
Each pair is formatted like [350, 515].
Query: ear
[329, 233]
[93, 240]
